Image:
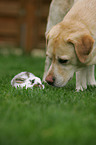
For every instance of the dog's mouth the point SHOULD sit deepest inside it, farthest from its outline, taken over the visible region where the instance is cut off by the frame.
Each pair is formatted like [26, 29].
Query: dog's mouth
[59, 83]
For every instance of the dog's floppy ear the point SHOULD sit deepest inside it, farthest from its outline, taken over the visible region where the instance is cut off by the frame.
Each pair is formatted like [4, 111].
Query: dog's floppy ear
[83, 46]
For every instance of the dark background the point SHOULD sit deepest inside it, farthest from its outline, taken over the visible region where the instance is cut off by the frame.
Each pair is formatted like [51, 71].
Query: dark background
[23, 24]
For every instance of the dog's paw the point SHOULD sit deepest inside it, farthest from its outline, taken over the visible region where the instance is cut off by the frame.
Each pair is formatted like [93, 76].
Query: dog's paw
[81, 88]
[93, 83]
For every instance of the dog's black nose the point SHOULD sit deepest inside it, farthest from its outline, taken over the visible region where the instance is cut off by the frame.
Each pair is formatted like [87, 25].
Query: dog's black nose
[50, 80]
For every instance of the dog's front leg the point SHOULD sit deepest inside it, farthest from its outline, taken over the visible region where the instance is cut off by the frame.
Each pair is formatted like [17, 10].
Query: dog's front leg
[84, 77]
[91, 76]
[57, 11]
[81, 80]
[47, 64]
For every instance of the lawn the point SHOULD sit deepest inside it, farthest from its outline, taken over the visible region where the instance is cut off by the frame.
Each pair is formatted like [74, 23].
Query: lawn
[53, 116]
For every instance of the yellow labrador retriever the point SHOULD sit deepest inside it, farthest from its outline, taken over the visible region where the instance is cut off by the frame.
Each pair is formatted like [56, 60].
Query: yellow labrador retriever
[71, 45]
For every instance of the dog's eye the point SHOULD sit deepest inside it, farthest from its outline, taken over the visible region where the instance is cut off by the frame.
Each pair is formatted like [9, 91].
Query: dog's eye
[62, 61]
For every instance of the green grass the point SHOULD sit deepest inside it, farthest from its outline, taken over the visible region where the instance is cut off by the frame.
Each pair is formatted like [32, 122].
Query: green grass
[53, 116]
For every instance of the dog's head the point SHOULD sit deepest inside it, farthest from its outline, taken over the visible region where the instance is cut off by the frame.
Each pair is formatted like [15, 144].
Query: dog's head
[68, 51]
